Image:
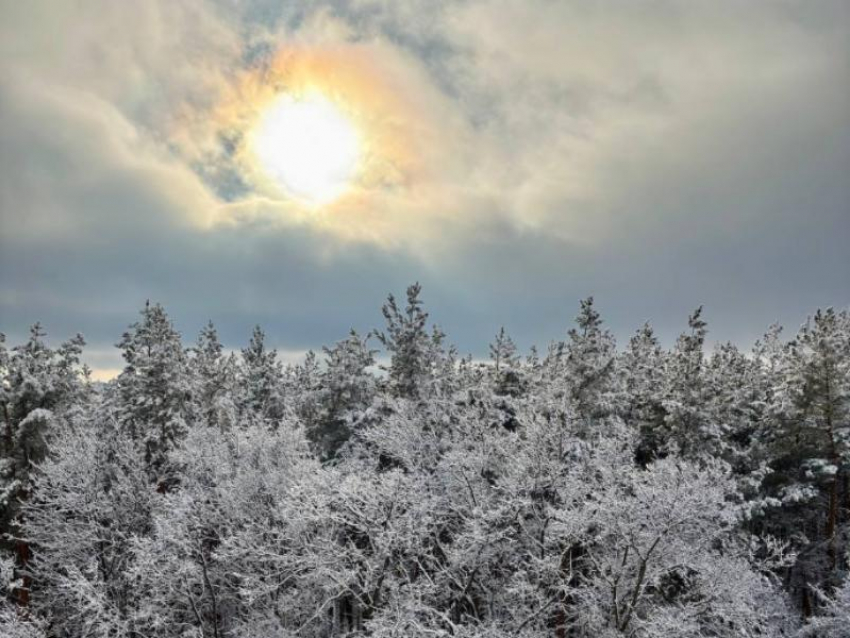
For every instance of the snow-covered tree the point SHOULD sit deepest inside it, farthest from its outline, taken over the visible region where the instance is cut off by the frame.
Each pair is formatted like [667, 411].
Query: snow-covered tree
[808, 440]
[92, 498]
[40, 388]
[834, 618]
[413, 351]
[688, 426]
[214, 376]
[735, 402]
[154, 390]
[507, 371]
[666, 559]
[642, 369]
[347, 389]
[584, 494]
[261, 380]
[589, 364]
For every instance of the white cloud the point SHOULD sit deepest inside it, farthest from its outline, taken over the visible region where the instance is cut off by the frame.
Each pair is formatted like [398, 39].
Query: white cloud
[545, 115]
[549, 147]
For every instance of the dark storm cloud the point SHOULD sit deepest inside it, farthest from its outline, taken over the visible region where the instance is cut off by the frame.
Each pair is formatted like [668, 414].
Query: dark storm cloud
[657, 158]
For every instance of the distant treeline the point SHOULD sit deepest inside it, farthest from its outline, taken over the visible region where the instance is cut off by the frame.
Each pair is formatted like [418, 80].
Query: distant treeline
[585, 491]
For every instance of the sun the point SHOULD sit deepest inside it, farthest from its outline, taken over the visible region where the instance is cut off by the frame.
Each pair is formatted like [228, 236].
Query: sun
[307, 146]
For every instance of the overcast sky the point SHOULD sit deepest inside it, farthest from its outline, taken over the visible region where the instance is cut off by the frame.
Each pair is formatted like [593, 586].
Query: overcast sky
[524, 154]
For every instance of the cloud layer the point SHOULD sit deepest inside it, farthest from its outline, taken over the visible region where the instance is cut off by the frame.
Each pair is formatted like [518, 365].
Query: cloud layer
[659, 155]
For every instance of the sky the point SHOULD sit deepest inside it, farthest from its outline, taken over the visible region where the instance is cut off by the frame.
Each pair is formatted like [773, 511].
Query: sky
[515, 156]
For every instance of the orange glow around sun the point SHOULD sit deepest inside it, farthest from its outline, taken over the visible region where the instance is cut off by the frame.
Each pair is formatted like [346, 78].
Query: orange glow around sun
[320, 126]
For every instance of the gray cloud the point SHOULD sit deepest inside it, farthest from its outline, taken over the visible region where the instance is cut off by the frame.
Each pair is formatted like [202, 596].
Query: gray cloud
[658, 156]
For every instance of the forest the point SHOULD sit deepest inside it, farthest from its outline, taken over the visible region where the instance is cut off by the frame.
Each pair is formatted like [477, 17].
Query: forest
[390, 487]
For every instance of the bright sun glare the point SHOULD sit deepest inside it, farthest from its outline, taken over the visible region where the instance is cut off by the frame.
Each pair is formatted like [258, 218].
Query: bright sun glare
[308, 146]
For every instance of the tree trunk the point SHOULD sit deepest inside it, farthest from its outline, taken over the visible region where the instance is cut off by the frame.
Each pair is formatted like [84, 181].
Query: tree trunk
[806, 602]
[832, 522]
[22, 594]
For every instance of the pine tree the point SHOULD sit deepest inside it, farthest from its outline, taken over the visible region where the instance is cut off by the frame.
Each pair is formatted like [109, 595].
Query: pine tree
[214, 376]
[39, 386]
[688, 426]
[408, 343]
[642, 367]
[154, 389]
[589, 364]
[261, 380]
[506, 365]
[346, 391]
[735, 403]
[810, 437]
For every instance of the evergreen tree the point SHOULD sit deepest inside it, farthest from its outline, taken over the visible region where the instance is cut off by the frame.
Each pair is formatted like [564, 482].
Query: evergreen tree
[506, 365]
[39, 386]
[809, 442]
[409, 344]
[261, 380]
[642, 367]
[346, 391]
[687, 424]
[154, 389]
[589, 364]
[303, 382]
[735, 404]
[215, 379]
